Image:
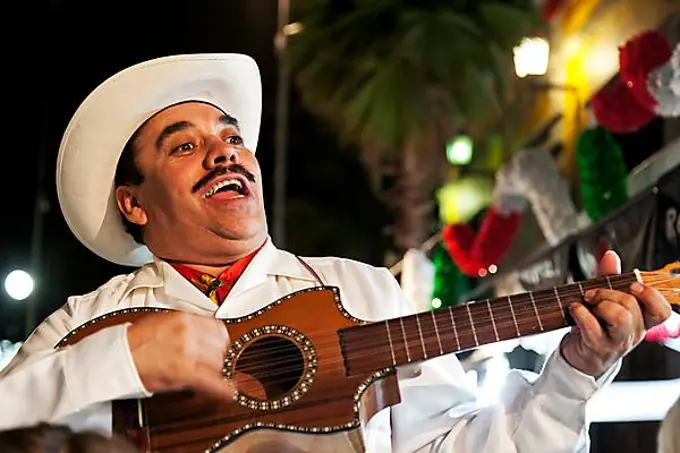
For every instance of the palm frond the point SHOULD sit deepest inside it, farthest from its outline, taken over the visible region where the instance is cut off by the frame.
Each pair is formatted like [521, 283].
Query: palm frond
[380, 69]
[385, 108]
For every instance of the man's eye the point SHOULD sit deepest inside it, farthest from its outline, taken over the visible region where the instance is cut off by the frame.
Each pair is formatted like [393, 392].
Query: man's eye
[184, 147]
[235, 140]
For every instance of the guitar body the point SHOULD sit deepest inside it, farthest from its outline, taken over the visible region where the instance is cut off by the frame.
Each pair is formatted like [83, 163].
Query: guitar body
[293, 391]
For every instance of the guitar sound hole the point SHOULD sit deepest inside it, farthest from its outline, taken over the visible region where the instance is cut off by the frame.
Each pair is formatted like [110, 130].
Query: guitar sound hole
[268, 368]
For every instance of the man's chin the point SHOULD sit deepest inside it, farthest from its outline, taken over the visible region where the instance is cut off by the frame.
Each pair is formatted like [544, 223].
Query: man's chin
[250, 233]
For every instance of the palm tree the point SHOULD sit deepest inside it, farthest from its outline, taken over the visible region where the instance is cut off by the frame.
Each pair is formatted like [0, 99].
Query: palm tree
[399, 78]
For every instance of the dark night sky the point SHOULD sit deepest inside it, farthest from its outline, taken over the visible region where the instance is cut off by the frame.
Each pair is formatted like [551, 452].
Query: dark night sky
[61, 50]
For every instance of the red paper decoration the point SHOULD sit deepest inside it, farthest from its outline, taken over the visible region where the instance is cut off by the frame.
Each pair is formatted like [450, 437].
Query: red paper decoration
[473, 252]
[617, 110]
[639, 56]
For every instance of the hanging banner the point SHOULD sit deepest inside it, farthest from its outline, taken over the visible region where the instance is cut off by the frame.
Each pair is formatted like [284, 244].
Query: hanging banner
[663, 245]
[645, 233]
[624, 231]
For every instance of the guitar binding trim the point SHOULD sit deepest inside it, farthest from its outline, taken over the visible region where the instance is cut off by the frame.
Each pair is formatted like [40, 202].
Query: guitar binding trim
[301, 387]
[320, 430]
[112, 314]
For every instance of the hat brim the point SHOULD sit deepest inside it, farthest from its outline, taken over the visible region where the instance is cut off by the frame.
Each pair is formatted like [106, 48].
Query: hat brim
[96, 135]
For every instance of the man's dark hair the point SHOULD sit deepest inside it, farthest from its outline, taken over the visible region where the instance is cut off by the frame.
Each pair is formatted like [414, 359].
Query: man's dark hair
[127, 173]
[45, 438]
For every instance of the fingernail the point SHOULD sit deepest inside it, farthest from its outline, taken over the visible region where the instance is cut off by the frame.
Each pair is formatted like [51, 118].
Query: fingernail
[589, 294]
[636, 288]
[618, 259]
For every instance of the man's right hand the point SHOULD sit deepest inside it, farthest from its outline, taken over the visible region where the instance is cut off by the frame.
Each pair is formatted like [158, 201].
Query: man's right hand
[179, 351]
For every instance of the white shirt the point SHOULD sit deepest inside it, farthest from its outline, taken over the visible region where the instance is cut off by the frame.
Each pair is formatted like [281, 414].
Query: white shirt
[439, 412]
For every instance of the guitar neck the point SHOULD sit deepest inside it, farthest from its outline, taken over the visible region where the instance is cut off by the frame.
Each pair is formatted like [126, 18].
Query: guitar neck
[418, 337]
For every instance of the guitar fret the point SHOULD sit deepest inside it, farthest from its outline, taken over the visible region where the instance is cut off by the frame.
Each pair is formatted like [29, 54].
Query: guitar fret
[514, 319]
[559, 301]
[403, 333]
[472, 324]
[455, 331]
[389, 339]
[436, 332]
[420, 333]
[493, 321]
[533, 303]
[580, 288]
[609, 282]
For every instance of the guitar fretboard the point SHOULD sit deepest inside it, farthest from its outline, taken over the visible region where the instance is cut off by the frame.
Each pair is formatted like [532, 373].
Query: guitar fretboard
[418, 337]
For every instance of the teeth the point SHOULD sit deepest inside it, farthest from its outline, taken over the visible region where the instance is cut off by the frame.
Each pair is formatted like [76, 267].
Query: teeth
[213, 190]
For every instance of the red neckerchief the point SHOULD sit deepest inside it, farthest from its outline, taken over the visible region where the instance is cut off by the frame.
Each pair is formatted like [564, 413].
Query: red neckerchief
[216, 288]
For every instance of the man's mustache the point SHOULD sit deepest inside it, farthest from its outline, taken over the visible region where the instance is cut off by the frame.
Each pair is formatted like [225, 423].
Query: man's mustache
[221, 170]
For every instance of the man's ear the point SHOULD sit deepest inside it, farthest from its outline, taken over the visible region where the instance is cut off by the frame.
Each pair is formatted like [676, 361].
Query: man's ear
[129, 205]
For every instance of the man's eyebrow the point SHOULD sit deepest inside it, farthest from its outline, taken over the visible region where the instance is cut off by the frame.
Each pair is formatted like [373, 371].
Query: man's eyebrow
[229, 120]
[225, 120]
[171, 129]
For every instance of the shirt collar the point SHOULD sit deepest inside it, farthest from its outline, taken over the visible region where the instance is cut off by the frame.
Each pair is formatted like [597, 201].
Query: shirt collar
[268, 261]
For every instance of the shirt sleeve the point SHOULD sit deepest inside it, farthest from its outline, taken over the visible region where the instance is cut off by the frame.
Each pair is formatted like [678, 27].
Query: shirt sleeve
[441, 413]
[44, 384]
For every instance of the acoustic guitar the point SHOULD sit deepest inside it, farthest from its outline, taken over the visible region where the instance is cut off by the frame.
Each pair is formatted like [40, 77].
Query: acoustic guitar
[304, 366]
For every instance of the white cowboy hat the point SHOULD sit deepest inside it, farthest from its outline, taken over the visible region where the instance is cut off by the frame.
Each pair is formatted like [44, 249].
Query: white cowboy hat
[107, 118]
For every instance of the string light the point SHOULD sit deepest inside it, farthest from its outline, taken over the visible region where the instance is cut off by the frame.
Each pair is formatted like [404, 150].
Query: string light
[292, 29]
[531, 57]
[459, 150]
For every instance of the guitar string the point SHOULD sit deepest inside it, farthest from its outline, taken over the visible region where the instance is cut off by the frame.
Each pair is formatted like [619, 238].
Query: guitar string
[484, 331]
[520, 307]
[566, 295]
[366, 342]
[482, 324]
[269, 369]
[479, 313]
[486, 328]
[481, 306]
[336, 361]
[158, 429]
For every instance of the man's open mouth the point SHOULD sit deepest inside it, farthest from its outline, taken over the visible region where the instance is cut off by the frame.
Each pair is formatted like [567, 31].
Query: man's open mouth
[232, 185]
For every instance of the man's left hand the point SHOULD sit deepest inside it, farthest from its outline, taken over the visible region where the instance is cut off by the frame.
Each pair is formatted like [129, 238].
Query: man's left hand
[613, 322]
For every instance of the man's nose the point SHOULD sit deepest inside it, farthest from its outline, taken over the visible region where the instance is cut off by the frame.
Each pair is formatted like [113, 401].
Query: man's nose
[220, 153]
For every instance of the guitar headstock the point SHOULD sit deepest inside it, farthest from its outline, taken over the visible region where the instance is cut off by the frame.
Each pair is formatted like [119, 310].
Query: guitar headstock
[667, 281]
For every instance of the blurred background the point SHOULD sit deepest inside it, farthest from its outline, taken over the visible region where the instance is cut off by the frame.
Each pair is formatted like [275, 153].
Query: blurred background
[476, 148]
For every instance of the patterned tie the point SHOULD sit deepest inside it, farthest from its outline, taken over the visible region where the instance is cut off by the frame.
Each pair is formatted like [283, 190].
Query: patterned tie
[209, 284]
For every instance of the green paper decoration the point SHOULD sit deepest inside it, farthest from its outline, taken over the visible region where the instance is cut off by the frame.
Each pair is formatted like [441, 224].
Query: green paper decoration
[602, 172]
[449, 281]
